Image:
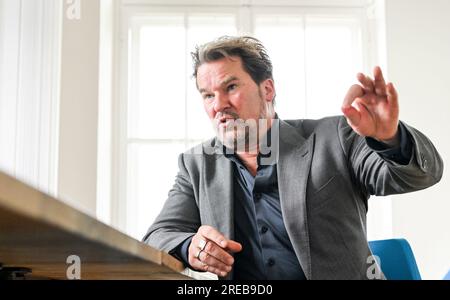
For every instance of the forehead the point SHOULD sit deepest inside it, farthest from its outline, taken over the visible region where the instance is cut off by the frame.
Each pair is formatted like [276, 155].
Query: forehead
[215, 72]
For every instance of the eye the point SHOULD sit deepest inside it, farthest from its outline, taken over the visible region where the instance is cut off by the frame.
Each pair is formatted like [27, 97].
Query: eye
[208, 96]
[231, 87]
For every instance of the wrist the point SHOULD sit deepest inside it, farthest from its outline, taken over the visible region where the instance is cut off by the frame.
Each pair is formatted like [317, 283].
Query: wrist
[392, 142]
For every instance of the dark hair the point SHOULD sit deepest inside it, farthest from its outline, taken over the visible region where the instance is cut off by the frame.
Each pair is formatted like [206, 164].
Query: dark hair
[255, 60]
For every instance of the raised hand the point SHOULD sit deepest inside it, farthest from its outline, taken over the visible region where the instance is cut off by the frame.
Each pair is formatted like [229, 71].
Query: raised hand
[372, 108]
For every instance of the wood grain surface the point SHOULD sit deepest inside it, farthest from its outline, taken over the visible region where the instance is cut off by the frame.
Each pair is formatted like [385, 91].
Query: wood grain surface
[40, 232]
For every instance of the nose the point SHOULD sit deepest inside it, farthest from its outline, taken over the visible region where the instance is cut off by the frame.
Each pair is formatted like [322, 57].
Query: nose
[221, 102]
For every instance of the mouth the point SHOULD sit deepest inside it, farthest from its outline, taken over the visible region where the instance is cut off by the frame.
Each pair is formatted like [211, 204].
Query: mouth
[224, 120]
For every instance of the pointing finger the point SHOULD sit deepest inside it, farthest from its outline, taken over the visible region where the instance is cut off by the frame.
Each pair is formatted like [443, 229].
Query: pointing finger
[233, 246]
[212, 234]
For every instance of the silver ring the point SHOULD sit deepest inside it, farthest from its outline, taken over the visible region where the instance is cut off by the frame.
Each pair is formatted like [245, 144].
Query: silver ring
[202, 244]
[197, 256]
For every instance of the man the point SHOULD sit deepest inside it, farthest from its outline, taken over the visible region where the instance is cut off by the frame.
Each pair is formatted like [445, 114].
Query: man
[295, 209]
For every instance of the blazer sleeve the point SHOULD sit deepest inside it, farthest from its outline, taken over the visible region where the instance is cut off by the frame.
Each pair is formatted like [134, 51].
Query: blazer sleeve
[380, 176]
[179, 219]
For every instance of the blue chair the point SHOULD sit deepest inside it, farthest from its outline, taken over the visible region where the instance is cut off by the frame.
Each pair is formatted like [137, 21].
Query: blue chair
[396, 259]
[447, 277]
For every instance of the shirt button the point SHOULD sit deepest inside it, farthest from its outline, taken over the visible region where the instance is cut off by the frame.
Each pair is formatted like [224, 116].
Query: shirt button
[257, 196]
[264, 229]
[271, 262]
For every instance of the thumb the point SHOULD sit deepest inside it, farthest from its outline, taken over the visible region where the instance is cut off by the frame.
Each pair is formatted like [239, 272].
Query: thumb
[353, 116]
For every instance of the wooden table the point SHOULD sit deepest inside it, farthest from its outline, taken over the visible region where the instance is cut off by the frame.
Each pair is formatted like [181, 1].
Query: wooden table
[39, 232]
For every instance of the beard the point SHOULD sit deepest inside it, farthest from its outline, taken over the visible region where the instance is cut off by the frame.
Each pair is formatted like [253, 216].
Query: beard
[240, 135]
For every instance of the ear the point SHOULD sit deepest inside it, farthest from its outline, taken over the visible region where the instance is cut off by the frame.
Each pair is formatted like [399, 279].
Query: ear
[268, 88]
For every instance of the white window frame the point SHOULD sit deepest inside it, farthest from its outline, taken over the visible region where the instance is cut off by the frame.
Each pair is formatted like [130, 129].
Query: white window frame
[245, 9]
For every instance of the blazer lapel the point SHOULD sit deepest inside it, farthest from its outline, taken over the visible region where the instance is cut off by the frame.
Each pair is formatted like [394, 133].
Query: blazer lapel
[295, 155]
[219, 188]
[294, 161]
[218, 175]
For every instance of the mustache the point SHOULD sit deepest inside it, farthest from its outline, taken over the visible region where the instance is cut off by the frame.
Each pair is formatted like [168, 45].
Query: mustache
[227, 113]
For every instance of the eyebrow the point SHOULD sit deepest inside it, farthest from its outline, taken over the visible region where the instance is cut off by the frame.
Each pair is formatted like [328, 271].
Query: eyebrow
[223, 83]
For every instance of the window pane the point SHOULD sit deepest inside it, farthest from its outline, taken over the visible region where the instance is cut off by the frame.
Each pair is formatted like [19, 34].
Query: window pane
[202, 29]
[157, 110]
[283, 37]
[151, 174]
[315, 62]
[333, 57]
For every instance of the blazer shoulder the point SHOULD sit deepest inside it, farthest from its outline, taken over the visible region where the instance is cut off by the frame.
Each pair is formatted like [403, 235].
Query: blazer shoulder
[200, 152]
[309, 126]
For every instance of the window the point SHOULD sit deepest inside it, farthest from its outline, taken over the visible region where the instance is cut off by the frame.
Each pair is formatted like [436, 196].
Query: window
[316, 54]
[164, 112]
[310, 52]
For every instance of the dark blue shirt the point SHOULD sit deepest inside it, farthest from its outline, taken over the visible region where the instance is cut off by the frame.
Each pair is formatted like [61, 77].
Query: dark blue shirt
[267, 252]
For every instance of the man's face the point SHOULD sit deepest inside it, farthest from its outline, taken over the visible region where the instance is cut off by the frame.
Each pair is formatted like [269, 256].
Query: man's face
[229, 93]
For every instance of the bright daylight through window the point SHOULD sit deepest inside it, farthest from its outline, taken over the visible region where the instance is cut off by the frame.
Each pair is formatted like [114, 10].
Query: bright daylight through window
[315, 57]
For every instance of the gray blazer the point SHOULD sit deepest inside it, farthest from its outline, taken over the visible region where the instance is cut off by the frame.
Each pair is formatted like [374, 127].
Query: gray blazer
[326, 174]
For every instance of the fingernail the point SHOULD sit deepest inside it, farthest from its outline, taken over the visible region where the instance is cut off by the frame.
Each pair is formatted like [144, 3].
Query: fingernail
[223, 274]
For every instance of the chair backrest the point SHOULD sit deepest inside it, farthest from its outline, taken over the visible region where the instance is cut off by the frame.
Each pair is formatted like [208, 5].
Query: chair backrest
[396, 259]
[447, 277]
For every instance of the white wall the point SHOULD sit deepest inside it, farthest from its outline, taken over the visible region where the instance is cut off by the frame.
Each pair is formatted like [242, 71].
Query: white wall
[77, 178]
[418, 56]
